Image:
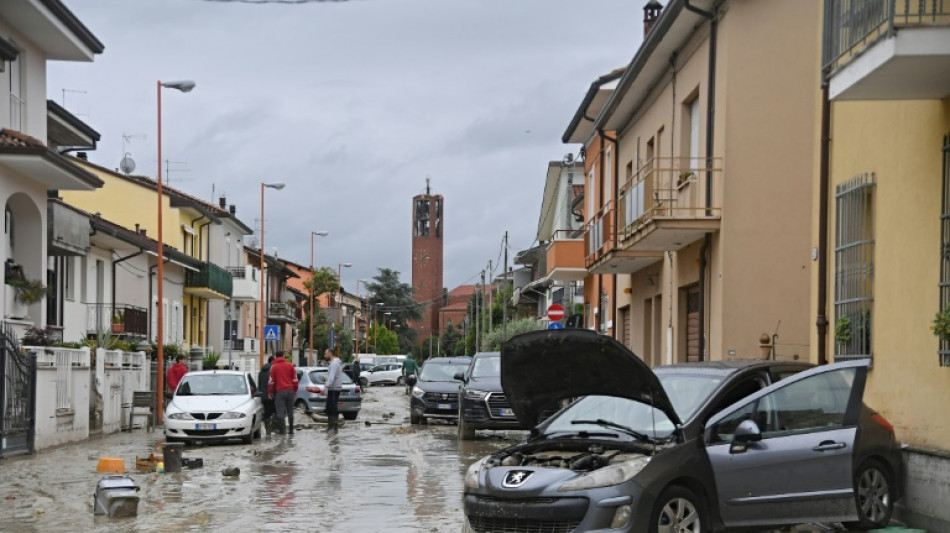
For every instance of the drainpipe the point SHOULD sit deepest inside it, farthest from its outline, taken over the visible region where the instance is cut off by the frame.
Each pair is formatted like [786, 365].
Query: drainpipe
[821, 321]
[616, 215]
[710, 144]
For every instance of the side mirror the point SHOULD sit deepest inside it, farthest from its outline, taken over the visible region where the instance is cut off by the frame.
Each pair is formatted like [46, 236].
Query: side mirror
[459, 376]
[747, 431]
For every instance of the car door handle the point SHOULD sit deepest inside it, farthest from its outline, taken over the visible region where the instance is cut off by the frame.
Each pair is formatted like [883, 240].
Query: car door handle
[827, 445]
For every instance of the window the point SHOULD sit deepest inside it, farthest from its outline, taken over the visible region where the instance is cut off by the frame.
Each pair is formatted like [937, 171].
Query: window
[17, 104]
[608, 173]
[693, 147]
[854, 267]
[943, 349]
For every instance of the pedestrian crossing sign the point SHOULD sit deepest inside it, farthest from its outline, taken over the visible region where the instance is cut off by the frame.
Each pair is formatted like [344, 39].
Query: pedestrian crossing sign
[271, 333]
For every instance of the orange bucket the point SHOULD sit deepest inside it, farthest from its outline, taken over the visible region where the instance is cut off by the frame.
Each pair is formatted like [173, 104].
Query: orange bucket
[112, 465]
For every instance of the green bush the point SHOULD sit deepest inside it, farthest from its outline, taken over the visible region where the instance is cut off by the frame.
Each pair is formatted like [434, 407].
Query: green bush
[491, 342]
[210, 361]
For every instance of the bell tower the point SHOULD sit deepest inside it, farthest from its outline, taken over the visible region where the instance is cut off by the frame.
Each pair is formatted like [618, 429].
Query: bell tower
[428, 213]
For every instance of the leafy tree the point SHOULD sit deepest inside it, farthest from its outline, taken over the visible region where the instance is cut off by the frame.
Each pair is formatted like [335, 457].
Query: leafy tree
[492, 341]
[384, 340]
[430, 347]
[450, 340]
[399, 301]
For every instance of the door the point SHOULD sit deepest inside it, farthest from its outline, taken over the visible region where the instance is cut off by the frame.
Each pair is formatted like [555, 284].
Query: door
[801, 469]
[693, 327]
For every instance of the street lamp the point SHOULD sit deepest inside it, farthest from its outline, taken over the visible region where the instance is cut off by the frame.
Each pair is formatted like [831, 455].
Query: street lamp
[183, 86]
[339, 278]
[310, 340]
[261, 316]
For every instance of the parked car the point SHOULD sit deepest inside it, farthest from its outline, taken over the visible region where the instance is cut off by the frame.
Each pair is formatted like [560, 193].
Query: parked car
[385, 374]
[213, 405]
[482, 403]
[700, 447]
[435, 393]
[312, 392]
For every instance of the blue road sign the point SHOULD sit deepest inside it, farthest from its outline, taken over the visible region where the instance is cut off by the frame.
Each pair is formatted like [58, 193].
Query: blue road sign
[555, 325]
[271, 333]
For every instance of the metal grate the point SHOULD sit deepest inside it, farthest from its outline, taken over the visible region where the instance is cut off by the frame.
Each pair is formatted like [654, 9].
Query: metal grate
[500, 524]
[854, 267]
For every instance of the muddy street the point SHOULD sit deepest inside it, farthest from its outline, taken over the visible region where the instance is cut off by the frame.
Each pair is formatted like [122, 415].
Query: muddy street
[385, 474]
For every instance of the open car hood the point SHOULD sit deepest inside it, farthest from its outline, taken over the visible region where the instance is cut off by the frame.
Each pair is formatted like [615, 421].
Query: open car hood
[541, 368]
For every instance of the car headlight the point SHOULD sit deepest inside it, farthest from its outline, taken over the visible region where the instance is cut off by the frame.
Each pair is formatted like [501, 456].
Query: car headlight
[607, 476]
[471, 475]
[473, 394]
[181, 416]
[231, 415]
[417, 392]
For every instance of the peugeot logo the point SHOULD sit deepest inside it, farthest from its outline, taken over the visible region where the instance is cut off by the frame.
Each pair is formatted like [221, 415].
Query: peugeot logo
[515, 478]
[445, 396]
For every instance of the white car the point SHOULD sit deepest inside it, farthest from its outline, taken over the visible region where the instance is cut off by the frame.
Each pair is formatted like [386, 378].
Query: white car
[214, 405]
[390, 373]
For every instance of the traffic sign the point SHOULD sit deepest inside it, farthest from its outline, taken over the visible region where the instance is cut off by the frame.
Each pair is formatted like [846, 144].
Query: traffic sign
[555, 312]
[271, 333]
[555, 325]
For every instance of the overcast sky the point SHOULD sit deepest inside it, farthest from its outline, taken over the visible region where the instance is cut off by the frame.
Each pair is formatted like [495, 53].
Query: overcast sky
[352, 104]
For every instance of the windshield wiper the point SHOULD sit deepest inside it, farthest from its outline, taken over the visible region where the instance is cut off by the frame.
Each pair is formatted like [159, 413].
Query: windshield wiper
[614, 425]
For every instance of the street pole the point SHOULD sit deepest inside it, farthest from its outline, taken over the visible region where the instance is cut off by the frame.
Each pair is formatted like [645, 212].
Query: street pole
[310, 360]
[339, 278]
[504, 301]
[262, 305]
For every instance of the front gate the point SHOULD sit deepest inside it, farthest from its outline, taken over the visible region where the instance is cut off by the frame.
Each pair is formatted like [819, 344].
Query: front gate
[18, 396]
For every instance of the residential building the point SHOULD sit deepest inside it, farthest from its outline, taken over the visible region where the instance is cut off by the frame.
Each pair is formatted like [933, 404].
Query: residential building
[882, 226]
[281, 305]
[696, 203]
[455, 309]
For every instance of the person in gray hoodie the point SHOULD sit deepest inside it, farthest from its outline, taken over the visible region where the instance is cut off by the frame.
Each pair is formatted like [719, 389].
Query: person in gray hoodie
[334, 387]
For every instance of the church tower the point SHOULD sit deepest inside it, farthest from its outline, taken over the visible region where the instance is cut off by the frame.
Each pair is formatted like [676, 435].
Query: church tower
[428, 226]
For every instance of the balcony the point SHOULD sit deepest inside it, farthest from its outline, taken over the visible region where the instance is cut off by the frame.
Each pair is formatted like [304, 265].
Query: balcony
[886, 49]
[246, 285]
[565, 256]
[211, 282]
[118, 319]
[280, 312]
[67, 231]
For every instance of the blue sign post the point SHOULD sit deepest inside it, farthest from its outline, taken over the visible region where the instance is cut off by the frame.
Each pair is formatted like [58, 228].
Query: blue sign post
[271, 333]
[555, 325]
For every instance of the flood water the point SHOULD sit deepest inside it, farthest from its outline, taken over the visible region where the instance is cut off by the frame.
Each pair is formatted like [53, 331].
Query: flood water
[384, 476]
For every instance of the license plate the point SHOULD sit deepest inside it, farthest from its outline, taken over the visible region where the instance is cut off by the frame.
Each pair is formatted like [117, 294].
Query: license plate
[505, 412]
[446, 406]
[200, 427]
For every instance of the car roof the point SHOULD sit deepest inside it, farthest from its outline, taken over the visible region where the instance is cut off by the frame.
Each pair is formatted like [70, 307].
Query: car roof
[727, 367]
[212, 372]
[486, 354]
[447, 360]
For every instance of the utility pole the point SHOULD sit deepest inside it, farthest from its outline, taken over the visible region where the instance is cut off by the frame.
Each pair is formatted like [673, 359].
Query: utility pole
[504, 297]
[491, 288]
[482, 295]
[477, 317]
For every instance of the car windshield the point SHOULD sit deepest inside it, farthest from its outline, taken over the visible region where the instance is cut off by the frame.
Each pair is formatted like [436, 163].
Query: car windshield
[320, 377]
[607, 415]
[687, 392]
[441, 372]
[212, 384]
[486, 367]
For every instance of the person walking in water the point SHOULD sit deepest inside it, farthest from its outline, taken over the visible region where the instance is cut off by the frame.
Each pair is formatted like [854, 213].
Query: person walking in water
[263, 379]
[334, 387]
[283, 385]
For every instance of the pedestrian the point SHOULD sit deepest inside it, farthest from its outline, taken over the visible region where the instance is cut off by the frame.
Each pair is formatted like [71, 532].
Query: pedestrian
[409, 368]
[263, 378]
[334, 387]
[355, 369]
[283, 384]
[174, 375]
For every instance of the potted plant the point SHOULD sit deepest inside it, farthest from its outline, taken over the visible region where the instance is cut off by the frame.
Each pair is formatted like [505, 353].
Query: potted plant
[684, 177]
[210, 361]
[22, 291]
[118, 322]
[941, 324]
[843, 330]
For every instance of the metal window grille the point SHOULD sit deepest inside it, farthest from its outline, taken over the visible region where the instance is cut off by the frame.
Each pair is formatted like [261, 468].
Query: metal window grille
[854, 267]
[943, 349]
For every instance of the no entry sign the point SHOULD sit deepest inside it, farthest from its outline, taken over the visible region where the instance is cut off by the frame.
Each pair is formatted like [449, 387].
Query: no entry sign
[555, 312]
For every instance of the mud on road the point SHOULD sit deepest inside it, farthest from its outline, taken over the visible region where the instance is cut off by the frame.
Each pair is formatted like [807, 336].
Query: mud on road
[384, 475]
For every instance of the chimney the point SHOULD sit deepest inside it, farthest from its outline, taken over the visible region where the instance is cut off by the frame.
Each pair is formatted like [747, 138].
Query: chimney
[83, 156]
[136, 227]
[222, 202]
[651, 12]
[232, 209]
[143, 232]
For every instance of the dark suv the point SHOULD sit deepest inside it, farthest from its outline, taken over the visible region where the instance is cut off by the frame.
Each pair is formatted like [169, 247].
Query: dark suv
[435, 393]
[482, 403]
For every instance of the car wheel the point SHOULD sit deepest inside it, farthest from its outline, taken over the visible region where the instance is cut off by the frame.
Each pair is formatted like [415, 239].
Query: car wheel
[401, 381]
[247, 439]
[350, 416]
[873, 496]
[257, 433]
[414, 418]
[364, 382]
[302, 405]
[466, 431]
[678, 510]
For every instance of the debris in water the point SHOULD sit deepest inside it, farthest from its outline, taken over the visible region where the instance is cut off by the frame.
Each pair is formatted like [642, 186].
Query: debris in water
[231, 471]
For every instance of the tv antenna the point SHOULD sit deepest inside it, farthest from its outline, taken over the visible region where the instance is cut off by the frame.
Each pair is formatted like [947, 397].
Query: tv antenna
[71, 91]
[168, 170]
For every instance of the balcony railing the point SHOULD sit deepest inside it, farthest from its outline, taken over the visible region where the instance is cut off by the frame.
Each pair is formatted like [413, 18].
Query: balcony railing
[565, 255]
[211, 281]
[119, 319]
[853, 25]
[600, 237]
[280, 311]
[245, 285]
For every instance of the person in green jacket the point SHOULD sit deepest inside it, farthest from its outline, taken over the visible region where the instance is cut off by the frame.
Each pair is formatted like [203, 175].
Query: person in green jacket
[409, 368]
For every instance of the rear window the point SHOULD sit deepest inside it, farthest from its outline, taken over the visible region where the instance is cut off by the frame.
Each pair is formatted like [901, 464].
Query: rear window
[212, 385]
[320, 377]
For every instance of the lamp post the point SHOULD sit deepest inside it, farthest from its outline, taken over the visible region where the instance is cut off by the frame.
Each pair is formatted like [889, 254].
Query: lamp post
[310, 340]
[183, 86]
[339, 278]
[261, 316]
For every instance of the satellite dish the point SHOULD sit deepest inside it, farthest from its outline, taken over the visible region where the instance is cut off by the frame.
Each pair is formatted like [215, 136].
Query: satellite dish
[127, 164]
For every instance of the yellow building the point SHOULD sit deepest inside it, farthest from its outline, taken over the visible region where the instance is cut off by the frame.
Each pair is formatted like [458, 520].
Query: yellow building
[132, 202]
[887, 231]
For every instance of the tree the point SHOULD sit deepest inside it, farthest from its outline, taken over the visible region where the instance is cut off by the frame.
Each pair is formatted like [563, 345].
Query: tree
[384, 340]
[399, 301]
[430, 347]
[450, 341]
[493, 340]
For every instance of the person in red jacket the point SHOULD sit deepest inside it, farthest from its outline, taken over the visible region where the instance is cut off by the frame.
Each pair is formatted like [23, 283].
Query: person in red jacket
[282, 385]
[174, 375]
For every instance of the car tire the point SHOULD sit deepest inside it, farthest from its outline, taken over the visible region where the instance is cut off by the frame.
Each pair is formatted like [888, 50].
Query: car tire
[414, 418]
[257, 433]
[466, 431]
[678, 509]
[302, 405]
[247, 439]
[364, 382]
[401, 381]
[873, 496]
[350, 416]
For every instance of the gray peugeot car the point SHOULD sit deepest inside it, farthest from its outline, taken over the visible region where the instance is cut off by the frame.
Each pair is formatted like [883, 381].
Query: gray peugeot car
[686, 448]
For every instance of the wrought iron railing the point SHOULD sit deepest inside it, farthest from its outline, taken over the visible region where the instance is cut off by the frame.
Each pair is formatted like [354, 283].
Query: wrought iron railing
[850, 26]
[119, 319]
[280, 310]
